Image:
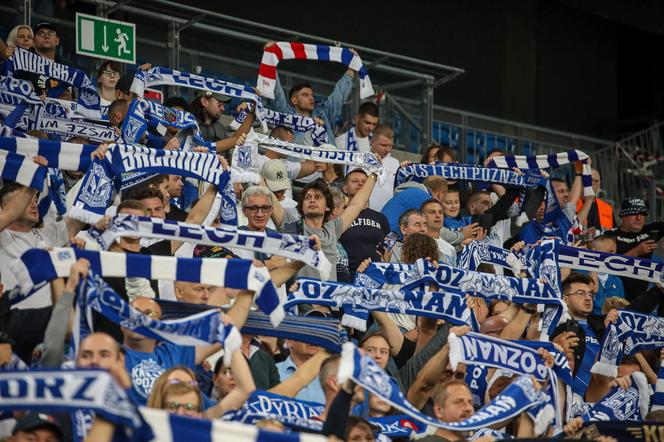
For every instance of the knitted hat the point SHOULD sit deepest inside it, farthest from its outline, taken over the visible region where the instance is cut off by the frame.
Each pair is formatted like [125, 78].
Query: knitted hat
[633, 206]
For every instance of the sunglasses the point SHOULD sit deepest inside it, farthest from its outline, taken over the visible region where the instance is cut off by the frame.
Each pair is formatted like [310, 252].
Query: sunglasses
[174, 406]
[179, 381]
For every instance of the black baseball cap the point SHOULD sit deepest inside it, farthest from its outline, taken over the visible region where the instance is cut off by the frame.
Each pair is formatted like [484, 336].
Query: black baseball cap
[44, 25]
[34, 421]
[124, 83]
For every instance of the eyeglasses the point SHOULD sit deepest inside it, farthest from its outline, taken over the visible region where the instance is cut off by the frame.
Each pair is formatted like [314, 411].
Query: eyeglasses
[255, 209]
[174, 406]
[151, 314]
[582, 294]
[111, 74]
[46, 33]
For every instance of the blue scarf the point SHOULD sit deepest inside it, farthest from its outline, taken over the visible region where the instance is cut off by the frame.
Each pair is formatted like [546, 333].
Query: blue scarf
[478, 252]
[623, 405]
[38, 266]
[454, 280]
[142, 113]
[611, 263]
[291, 246]
[23, 170]
[522, 359]
[364, 160]
[201, 329]
[380, 273]
[449, 307]
[161, 76]
[297, 123]
[60, 155]
[103, 177]
[537, 162]
[632, 332]
[324, 333]
[69, 391]
[27, 61]
[173, 428]
[19, 97]
[396, 425]
[351, 144]
[466, 172]
[291, 412]
[516, 398]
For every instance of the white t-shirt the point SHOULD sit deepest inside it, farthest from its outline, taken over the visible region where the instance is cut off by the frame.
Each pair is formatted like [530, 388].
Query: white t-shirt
[447, 251]
[382, 193]
[363, 144]
[13, 244]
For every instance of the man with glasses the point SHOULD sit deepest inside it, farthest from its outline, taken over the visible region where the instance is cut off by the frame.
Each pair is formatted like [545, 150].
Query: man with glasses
[581, 335]
[46, 40]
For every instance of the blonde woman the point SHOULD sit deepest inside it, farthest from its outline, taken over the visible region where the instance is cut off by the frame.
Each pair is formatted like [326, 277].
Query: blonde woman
[21, 36]
[183, 375]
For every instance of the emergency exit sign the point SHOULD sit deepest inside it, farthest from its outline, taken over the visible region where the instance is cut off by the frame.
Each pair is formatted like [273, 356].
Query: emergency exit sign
[104, 38]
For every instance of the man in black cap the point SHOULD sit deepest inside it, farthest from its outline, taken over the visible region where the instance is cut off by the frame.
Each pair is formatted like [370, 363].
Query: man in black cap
[46, 39]
[36, 427]
[636, 238]
[208, 107]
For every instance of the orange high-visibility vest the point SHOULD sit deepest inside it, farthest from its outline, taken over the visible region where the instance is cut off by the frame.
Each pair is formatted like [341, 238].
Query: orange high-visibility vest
[604, 210]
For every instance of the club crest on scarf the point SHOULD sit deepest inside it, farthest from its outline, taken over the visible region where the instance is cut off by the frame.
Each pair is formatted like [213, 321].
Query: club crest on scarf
[97, 187]
[244, 156]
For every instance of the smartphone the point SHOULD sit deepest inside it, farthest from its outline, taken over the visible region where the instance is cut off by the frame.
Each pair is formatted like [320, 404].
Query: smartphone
[654, 234]
[389, 241]
[485, 220]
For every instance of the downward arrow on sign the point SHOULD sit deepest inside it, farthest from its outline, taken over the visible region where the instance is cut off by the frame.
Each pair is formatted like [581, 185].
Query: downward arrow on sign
[104, 46]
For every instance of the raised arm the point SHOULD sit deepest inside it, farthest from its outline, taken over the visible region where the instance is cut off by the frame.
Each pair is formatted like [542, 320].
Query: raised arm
[13, 208]
[244, 386]
[390, 330]
[302, 377]
[238, 137]
[428, 377]
[358, 203]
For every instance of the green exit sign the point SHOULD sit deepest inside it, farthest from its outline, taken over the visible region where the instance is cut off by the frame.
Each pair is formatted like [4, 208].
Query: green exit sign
[103, 38]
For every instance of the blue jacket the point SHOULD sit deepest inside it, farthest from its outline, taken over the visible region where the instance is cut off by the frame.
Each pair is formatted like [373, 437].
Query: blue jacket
[329, 110]
[457, 222]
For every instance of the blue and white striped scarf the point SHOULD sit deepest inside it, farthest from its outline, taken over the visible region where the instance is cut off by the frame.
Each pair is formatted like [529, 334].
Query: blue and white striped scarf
[273, 243]
[200, 329]
[538, 162]
[68, 391]
[60, 155]
[293, 413]
[467, 172]
[357, 301]
[364, 160]
[322, 332]
[87, 96]
[630, 333]
[518, 397]
[658, 397]
[102, 179]
[169, 427]
[351, 144]
[22, 169]
[297, 123]
[161, 76]
[38, 266]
